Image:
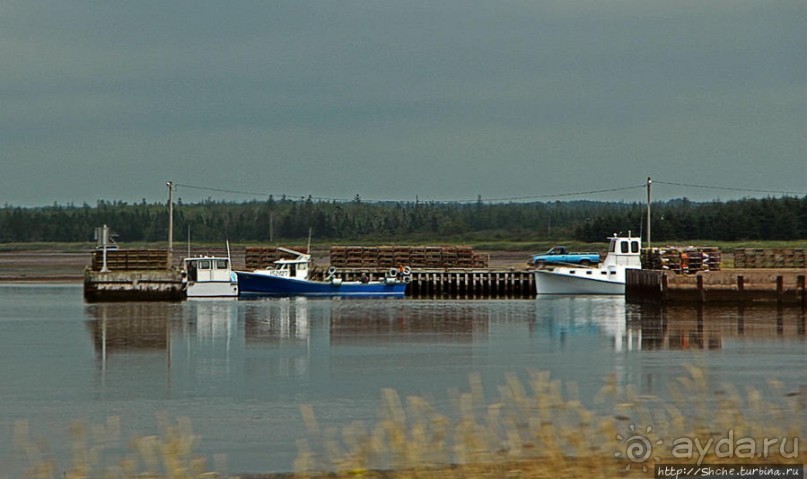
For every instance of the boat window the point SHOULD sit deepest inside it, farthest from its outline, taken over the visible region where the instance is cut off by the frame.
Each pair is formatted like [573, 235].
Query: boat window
[221, 264]
[205, 264]
[624, 246]
[634, 247]
[572, 272]
[612, 246]
[589, 272]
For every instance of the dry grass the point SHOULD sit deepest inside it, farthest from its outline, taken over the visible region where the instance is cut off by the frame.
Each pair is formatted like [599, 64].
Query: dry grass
[97, 453]
[534, 429]
[541, 429]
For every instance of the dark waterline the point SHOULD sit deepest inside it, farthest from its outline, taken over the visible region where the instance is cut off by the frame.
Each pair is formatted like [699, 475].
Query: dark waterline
[239, 370]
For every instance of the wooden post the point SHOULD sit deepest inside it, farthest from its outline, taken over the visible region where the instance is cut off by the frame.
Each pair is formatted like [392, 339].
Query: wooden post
[780, 287]
[701, 292]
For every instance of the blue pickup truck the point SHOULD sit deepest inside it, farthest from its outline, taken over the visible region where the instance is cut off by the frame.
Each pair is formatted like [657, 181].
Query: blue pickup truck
[560, 255]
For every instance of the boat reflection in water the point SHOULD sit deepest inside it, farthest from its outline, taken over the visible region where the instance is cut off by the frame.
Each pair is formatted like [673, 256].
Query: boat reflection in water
[285, 321]
[599, 316]
[635, 327]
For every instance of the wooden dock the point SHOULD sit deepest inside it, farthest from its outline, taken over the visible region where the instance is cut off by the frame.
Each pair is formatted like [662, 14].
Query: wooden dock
[455, 283]
[786, 286]
[475, 283]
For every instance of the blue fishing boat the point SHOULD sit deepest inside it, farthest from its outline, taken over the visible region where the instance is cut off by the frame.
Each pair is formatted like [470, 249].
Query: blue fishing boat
[289, 277]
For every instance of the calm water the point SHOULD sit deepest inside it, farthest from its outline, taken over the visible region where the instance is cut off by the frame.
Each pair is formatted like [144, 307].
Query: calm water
[240, 369]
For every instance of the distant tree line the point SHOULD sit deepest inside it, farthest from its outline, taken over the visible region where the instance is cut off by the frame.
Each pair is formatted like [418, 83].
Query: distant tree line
[284, 220]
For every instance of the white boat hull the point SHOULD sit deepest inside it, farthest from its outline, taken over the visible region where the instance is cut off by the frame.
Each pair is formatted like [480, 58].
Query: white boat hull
[212, 289]
[551, 282]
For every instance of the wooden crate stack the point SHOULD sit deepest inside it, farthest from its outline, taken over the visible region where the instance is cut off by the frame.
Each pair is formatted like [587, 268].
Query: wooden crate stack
[712, 257]
[684, 259]
[131, 260]
[424, 257]
[770, 258]
[481, 260]
[262, 257]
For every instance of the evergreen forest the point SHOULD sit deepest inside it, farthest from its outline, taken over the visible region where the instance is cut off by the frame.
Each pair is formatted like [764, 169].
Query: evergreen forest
[286, 220]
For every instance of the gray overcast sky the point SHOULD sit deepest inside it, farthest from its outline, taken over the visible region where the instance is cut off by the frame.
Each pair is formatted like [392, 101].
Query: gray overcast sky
[443, 100]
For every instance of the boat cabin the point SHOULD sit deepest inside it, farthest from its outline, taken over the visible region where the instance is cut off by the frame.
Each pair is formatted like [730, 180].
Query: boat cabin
[624, 251]
[296, 268]
[207, 269]
[208, 276]
[293, 268]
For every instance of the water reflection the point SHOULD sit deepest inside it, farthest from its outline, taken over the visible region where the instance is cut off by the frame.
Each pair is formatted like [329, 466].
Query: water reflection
[706, 327]
[424, 322]
[240, 369]
[288, 322]
[567, 316]
[285, 322]
[212, 318]
[120, 327]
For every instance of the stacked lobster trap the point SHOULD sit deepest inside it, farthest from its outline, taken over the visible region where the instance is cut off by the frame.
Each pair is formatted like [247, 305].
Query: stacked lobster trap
[421, 257]
[683, 260]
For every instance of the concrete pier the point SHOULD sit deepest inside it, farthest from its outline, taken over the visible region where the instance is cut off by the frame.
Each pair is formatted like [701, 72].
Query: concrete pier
[159, 285]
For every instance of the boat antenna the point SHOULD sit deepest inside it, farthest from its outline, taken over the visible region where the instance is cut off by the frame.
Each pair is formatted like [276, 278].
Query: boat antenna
[228, 252]
[308, 248]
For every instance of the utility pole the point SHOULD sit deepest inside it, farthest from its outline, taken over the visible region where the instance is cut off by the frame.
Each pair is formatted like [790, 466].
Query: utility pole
[649, 182]
[170, 185]
[104, 241]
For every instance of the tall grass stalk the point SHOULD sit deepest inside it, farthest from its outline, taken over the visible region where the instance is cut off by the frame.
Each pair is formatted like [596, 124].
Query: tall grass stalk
[98, 453]
[541, 428]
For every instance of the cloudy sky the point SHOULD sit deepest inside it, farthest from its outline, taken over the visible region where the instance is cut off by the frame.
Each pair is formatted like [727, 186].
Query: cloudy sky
[405, 99]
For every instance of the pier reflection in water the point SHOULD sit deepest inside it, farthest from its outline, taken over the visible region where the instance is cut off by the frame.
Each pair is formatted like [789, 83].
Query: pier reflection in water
[706, 326]
[240, 369]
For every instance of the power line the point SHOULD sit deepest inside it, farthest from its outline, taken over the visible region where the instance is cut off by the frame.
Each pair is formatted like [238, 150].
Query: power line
[726, 188]
[496, 200]
[560, 195]
[220, 190]
[487, 200]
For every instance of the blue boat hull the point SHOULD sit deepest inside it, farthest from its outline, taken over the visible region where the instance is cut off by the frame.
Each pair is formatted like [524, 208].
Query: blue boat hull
[251, 284]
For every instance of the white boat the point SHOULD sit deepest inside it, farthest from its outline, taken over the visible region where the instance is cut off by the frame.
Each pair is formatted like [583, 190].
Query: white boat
[624, 253]
[209, 277]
